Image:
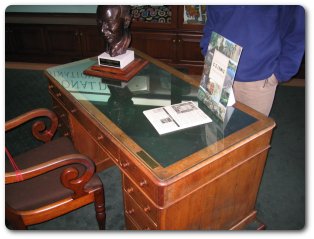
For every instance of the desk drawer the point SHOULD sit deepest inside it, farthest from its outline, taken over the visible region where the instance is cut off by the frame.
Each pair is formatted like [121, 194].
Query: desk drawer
[138, 177]
[86, 144]
[54, 91]
[130, 224]
[147, 207]
[133, 210]
[63, 123]
[105, 142]
[86, 122]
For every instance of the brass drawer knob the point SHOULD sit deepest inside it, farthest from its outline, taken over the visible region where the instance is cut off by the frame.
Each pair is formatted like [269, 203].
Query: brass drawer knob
[130, 211]
[143, 183]
[125, 164]
[147, 209]
[130, 190]
[100, 137]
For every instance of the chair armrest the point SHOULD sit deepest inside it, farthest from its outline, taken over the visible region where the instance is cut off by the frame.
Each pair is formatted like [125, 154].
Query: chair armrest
[39, 129]
[69, 176]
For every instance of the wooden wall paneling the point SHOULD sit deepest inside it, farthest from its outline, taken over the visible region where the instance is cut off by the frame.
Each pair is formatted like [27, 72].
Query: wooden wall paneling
[189, 53]
[161, 46]
[64, 40]
[29, 39]
[93, 43]
[24, 41]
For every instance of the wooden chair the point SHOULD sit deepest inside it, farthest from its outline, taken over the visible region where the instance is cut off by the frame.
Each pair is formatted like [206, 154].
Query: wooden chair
[50, 180]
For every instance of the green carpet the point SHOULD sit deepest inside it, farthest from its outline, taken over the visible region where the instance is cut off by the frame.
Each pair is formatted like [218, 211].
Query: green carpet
[281, 199]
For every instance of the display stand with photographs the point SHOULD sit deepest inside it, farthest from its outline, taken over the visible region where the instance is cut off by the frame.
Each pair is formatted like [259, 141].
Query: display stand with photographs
[221, 62]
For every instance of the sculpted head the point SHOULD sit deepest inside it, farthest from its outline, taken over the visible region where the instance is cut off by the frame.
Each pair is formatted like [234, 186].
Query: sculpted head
[114, 22]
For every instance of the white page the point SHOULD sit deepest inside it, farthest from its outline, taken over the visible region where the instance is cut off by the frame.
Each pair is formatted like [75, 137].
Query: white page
[176, 117]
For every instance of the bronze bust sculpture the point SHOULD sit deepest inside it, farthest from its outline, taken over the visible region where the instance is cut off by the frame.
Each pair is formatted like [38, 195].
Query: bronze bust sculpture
[114, 22]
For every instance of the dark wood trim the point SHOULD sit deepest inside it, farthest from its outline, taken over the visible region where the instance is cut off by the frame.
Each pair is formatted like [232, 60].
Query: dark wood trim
[51, 18]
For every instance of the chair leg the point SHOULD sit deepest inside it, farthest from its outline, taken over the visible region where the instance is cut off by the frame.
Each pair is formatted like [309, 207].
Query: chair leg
[13, 222]
[100, 208]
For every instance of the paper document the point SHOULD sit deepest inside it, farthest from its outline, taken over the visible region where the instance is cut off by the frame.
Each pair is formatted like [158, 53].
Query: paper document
[176, 117]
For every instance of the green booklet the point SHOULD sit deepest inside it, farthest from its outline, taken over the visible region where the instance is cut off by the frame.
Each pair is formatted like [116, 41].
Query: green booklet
[220, 67]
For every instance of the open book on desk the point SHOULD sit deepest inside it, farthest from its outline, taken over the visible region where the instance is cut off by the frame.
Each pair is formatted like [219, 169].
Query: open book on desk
[176, 117]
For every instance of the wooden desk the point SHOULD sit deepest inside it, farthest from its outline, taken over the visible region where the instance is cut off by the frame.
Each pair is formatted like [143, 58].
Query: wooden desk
[206, 177]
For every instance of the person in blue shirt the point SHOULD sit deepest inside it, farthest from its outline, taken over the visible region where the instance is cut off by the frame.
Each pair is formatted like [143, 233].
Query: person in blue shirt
[273, 41]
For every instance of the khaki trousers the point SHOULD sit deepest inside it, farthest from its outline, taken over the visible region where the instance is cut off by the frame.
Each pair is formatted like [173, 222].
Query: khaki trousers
[258, 95]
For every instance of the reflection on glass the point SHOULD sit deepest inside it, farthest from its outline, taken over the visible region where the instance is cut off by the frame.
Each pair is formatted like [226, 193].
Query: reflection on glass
[152, 87]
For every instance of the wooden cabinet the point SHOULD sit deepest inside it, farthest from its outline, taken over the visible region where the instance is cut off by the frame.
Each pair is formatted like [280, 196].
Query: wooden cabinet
[72, 42]
[9, 40]
[189, 54]
[23, 41]
[161, 45]
[61, 38]
[51, 43]
[64, 41]
[179, 50]
[93, 42]
[173, 42]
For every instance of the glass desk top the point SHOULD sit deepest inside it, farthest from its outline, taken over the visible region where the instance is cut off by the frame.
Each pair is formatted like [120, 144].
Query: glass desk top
[154, 86]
